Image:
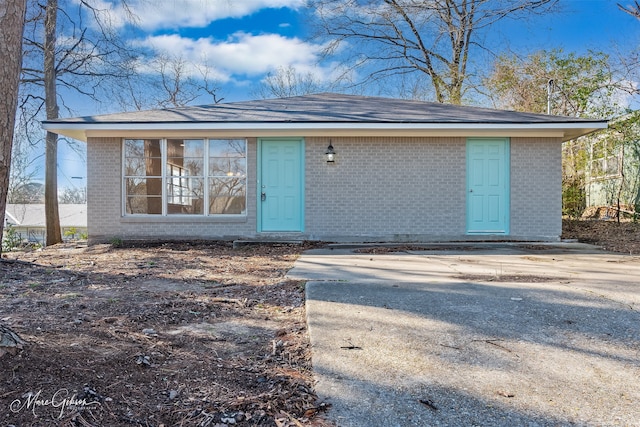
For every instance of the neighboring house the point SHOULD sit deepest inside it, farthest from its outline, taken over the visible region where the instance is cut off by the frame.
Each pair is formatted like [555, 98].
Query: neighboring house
[266, 169]
[612, 172]
[28, 221]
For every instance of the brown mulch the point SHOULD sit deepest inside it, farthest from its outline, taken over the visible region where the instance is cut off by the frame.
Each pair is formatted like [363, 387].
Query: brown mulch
[160, 335]
[611, 235]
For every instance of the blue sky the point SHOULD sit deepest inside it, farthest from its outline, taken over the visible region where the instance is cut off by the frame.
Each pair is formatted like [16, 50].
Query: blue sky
[239, 41]
[579, 25]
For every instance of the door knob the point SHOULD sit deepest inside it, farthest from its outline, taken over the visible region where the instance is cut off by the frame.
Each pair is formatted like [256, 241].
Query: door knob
[263, 196]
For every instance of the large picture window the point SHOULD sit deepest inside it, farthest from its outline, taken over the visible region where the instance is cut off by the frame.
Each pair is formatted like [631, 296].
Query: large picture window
[185, 176]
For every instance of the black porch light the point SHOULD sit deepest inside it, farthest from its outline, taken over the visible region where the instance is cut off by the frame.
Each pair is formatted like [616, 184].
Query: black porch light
[330, 153]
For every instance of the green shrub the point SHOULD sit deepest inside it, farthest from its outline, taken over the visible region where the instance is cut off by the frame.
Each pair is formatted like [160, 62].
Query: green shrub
[11, 239]
[574, 199]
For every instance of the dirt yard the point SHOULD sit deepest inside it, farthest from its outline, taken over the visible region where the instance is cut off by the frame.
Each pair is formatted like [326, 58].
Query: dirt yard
[621, 237]
[170, 335]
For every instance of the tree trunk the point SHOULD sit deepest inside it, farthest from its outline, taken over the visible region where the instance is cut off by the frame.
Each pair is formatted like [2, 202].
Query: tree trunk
[11, 25]
[54, 234]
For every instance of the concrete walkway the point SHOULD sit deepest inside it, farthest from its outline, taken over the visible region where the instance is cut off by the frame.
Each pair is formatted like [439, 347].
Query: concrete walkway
[494, 335]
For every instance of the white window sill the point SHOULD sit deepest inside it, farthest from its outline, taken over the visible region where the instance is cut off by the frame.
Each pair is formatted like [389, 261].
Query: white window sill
[183, 219]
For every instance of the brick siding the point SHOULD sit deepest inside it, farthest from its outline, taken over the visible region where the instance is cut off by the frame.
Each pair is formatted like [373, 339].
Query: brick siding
[389, 188]
[392, 189]
[536, 188]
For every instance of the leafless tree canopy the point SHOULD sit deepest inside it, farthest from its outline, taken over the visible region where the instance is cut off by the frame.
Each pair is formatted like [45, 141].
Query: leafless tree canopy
[431, 37]
[633, 10]
[69, 47]
[286, 82]
[87, 54]
[74, 195]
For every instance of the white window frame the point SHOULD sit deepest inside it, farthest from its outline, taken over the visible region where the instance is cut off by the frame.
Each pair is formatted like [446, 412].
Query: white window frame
[610, 155]
[164, 176]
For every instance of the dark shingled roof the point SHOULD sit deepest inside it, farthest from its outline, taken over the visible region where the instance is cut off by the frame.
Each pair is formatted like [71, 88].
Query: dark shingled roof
[326, 108]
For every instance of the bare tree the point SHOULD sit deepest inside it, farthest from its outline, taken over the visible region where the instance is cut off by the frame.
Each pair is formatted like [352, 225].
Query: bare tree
[176, 82]
[52, 217]
[432, 37]
[12, 15]
[72, 195]
[79, 53]
[286, 82]
[177, 87]
[631, 10]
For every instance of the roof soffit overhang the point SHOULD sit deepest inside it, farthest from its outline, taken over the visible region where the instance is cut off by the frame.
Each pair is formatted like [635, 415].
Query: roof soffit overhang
[564, 130]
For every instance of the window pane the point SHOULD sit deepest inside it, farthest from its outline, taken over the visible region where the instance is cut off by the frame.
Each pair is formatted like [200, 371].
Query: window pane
[227, 176]
[185, 195]
[144, 205]
[142, 148]
[134, 166]
[227, 196]
[227, 148]
[184, 172]
[613, 166]
[598, 150]
[185, 166]
[185, 156]
[144, 195]
[142, 157]
[229, 166]
[144, 186]
[185, 148]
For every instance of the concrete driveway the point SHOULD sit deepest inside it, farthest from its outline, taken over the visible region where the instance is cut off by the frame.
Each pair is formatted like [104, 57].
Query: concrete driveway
[493, 335]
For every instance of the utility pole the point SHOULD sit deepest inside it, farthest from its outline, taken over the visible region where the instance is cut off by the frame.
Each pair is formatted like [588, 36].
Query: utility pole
[549, 95]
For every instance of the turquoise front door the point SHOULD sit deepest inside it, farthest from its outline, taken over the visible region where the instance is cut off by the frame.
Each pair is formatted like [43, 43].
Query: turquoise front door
[281, 185]
[488, 186]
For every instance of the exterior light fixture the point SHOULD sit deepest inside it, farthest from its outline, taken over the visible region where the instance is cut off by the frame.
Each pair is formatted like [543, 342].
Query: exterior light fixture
[330, 153]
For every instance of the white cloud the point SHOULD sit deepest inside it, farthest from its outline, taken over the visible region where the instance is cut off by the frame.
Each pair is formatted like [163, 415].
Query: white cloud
[152, 15]
[242, 55]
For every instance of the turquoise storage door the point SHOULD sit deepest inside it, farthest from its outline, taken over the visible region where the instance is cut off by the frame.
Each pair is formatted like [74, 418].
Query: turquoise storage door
[281, 185]
[488, 186]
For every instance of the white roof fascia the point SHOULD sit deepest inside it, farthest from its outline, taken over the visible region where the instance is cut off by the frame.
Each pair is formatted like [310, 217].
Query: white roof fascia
[12, 218]
[83, 130]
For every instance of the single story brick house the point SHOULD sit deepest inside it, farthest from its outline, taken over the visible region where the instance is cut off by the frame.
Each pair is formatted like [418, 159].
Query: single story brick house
[328, 167]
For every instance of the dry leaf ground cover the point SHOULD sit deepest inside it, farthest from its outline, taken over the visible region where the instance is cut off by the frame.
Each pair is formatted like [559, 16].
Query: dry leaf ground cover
[180, 334]
[173, 334]
[612, 236]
